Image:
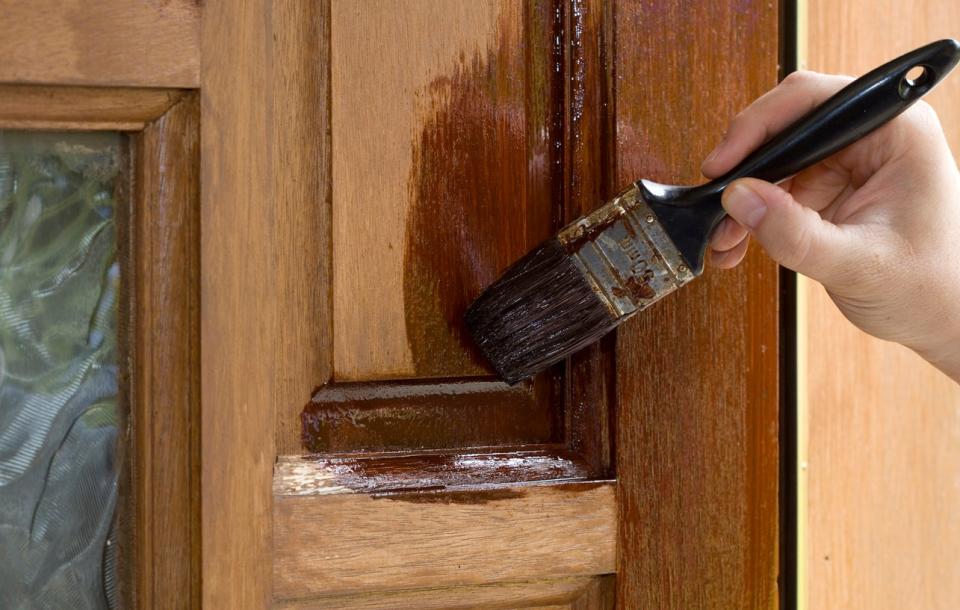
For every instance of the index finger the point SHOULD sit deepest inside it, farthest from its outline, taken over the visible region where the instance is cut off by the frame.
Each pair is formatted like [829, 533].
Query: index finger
[768, 115]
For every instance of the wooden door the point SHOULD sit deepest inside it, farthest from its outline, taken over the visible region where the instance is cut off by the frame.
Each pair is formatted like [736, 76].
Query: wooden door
[365, 169]
[881, 426]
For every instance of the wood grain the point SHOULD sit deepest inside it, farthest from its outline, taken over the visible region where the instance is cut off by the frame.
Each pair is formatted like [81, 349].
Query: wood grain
[301, 152]
[884, 426]
[164, 380]
[148, 43]
[47, 107]
[331, 539]
[493, 596]
[240, 314]
[441, 173]
[697, 420]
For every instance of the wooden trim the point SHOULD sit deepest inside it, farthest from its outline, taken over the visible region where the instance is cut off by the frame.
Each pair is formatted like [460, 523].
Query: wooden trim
[165, 357]
[82, 108]
[591, 373]
[575, 593]
[301, 87]
[242, 319]
[102, 43]
[697, 374]
[350, 525]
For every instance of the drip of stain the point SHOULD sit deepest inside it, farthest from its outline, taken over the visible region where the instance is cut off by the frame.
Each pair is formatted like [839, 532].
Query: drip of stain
[471, 212]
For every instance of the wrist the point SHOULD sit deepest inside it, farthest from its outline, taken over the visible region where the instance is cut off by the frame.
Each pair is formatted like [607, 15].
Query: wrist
[942, 349]
[947, 360]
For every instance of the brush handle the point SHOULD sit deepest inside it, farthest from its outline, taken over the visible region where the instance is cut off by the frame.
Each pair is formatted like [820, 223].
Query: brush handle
[690, 214]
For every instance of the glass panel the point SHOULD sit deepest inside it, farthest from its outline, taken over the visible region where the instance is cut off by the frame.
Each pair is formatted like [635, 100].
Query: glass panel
[59, 282]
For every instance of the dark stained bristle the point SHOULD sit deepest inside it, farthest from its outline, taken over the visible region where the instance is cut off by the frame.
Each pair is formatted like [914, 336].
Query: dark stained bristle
[541, 310]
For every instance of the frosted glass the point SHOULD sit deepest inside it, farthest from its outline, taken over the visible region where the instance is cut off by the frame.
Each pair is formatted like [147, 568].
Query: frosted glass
[59, 282]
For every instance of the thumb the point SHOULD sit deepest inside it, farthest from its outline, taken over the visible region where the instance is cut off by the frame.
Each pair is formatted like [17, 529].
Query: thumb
[793, 235]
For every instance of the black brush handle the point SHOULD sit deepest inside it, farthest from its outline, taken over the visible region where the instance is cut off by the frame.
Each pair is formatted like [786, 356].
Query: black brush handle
[853, 112]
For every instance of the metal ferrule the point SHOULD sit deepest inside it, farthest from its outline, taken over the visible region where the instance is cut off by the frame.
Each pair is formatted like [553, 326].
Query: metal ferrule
[625, 253]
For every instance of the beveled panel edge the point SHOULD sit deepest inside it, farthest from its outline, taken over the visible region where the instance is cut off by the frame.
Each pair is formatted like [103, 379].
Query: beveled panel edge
[450, 414]
[510, 594]
[83, 108]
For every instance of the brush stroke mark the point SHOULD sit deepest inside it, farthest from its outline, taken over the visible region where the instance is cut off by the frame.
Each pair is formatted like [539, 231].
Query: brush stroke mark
[479, 190]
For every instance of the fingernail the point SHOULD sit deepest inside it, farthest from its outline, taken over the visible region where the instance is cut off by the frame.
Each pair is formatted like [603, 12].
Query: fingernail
[745, 205]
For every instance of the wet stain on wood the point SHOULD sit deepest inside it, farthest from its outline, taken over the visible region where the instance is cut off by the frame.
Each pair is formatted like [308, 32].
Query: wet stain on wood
[427, 415]
[424, 472]
[480, 188]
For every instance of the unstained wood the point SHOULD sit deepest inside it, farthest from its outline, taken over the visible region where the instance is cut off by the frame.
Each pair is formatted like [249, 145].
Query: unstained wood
[147, 43]
[339, 537]
[883, 425]
[563, 592]
[53, 107]
[240, 312]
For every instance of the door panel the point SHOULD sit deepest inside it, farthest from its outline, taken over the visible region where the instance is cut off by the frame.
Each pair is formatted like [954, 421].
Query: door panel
[446, 159]
[442, 117]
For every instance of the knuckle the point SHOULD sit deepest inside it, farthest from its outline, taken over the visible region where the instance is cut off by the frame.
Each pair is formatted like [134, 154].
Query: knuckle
[796, 248]
[801, 78]
[738, 120]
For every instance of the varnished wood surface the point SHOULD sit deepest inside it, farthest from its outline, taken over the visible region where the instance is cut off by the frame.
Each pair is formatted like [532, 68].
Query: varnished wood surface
[697, 449]
[48, 107]
[884, 426]
[335, 536]
[441, 166]
[241, 315]
[164, 378]
[559, 593]
[144, 43]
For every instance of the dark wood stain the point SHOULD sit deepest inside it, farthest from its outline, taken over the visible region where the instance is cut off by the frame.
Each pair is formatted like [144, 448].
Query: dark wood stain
[480, 189]
[479, 496]
[424, 415]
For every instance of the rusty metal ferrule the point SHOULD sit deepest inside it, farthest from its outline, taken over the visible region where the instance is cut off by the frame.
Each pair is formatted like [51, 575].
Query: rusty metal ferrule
[625, 254]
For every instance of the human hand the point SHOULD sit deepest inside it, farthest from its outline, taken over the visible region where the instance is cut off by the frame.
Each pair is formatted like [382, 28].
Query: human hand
[878, 223]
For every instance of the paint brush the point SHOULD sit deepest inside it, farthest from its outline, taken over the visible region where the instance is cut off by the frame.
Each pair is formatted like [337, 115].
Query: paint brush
[651, 239]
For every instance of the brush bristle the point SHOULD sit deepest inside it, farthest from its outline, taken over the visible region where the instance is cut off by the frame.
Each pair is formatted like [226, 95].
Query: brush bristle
[541, 310]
